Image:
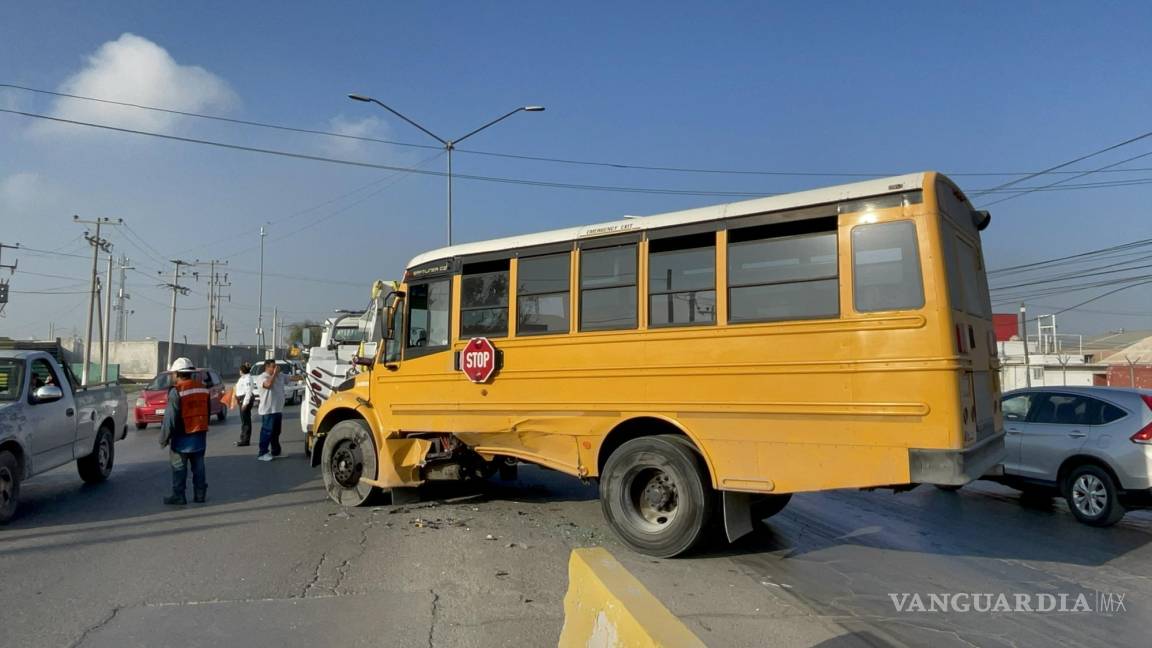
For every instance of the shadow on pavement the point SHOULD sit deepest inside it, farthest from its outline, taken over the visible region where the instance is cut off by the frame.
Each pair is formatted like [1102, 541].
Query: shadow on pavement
[135, 490]
[927, 521]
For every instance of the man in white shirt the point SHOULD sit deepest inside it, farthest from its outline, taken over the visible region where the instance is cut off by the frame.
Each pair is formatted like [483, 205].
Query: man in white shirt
[245, 394]
[271, 386]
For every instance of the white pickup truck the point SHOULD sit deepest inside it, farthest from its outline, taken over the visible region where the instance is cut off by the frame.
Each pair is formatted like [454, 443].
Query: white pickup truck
[47, 420]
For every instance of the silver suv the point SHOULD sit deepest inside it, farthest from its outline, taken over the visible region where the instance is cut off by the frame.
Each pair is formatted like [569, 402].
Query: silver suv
[1092, 445]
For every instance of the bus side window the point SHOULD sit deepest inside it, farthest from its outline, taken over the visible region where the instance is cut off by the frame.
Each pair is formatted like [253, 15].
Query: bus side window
[682, 280]
[542, 294]
[608, 288]
[484, 299]
[428, 315]
[886, 267]
[784, 271]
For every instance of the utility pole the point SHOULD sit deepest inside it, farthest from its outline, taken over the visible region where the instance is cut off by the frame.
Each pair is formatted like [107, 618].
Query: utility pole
[260, 300]
[1024, 337]
[106, 330]
[275, 330]
[218, 326]
[97, 244]
[121, 297]
[213, 282]
[175, 287]
[11, 271]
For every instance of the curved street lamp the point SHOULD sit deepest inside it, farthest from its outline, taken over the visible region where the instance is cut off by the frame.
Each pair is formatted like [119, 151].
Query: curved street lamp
[449, 145]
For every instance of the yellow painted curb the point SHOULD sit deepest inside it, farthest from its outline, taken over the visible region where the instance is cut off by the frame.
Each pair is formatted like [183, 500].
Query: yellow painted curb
[606, 606]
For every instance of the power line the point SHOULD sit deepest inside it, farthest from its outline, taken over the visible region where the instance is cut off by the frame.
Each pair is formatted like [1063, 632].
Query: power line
[1072, 276]
[219, 118]
[1080, 175]
[371, 165]
[1069, 162]
[1121, 246]
[538, 158]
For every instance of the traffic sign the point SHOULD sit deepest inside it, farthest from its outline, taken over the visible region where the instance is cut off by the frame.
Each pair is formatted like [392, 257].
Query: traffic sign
[478, 360]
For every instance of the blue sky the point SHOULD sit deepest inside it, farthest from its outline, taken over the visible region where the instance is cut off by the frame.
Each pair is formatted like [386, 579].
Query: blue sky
[808, 87]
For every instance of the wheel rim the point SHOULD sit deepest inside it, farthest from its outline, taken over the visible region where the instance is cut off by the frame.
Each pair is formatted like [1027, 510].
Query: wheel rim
[347, 464]
[652, 499]
[1089, 495]
[7, 486]
[105, 454]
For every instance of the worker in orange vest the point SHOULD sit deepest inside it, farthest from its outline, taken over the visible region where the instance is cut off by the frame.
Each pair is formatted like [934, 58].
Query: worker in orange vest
[185, 429]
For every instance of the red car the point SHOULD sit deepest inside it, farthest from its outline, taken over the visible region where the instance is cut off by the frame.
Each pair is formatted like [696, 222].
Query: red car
[153, 399]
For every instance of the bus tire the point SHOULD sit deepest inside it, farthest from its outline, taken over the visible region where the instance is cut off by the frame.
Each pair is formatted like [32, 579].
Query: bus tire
[349, 454]
[656, 495]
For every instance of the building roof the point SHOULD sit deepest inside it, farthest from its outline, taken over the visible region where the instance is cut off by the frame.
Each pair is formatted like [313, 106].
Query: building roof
[852, 191]
[1139, 352]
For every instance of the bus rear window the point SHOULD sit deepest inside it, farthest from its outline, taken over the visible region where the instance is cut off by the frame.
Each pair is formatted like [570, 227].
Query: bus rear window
[886, 267]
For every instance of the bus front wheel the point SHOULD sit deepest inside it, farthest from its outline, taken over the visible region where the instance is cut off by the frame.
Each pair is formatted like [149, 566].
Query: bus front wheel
[656, 495]
[348, 456]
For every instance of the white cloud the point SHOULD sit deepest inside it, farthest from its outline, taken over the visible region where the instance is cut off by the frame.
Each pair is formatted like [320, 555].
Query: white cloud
[21, 192]
[136, 70]
[366, 127]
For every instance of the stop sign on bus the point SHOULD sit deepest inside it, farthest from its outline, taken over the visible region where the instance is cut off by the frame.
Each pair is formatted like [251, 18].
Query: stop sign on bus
[478, 360]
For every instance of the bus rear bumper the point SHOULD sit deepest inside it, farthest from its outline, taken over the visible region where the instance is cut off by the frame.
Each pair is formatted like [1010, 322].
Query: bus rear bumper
[955, 467]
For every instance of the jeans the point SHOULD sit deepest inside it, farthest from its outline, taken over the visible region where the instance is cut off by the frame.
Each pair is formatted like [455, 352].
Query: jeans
[180, 461]
[270, 434]
[246, 423]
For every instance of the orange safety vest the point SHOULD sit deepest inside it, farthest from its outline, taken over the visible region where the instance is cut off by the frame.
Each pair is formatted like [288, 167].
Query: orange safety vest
[193, 405]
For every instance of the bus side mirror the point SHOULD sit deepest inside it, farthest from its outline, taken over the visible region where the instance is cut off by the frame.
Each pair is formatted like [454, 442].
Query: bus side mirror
[981, 218]
[306, 337]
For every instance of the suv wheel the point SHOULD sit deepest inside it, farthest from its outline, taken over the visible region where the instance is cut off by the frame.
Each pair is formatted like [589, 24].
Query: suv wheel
[1092, 496]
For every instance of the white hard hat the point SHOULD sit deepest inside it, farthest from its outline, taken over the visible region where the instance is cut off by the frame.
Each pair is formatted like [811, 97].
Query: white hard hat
[182, 364]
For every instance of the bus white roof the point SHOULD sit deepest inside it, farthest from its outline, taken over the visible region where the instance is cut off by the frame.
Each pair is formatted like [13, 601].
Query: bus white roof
[852, 191]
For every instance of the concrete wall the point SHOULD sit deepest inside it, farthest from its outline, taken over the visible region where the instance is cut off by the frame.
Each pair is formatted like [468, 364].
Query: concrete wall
[143, 359]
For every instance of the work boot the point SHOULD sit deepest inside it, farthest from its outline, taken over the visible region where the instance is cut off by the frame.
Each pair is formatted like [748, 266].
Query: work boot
[176, 500]
[199, 496]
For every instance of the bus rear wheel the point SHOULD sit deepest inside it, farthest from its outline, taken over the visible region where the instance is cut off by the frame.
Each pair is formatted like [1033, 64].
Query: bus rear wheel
[656, 495]
[349, 456]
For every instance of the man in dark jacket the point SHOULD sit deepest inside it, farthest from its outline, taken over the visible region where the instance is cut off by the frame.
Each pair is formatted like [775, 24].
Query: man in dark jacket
[185, 429]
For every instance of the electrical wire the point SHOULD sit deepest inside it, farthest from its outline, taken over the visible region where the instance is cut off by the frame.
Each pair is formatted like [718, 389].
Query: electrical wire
[386, 167]
[1080, 175]
[535, 158]
[1034, 264]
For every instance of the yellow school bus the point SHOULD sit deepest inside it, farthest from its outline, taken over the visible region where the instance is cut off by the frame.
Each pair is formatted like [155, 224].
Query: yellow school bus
[702, 365]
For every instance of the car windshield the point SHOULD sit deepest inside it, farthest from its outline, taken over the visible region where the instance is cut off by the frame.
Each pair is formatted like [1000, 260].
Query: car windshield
[161, 382]
[11, 377]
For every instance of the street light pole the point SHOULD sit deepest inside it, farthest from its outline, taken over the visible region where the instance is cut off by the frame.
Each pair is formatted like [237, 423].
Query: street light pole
[260, 301]
[449, 145]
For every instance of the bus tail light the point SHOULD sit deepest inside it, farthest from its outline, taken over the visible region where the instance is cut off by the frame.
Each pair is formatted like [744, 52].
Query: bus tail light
[1145, 434]
[316, 372]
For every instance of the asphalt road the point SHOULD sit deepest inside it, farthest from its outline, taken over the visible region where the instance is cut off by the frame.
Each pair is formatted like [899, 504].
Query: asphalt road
[268, 561]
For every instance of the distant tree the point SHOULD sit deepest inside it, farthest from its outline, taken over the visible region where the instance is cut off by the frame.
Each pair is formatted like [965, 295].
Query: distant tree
[296, 331]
